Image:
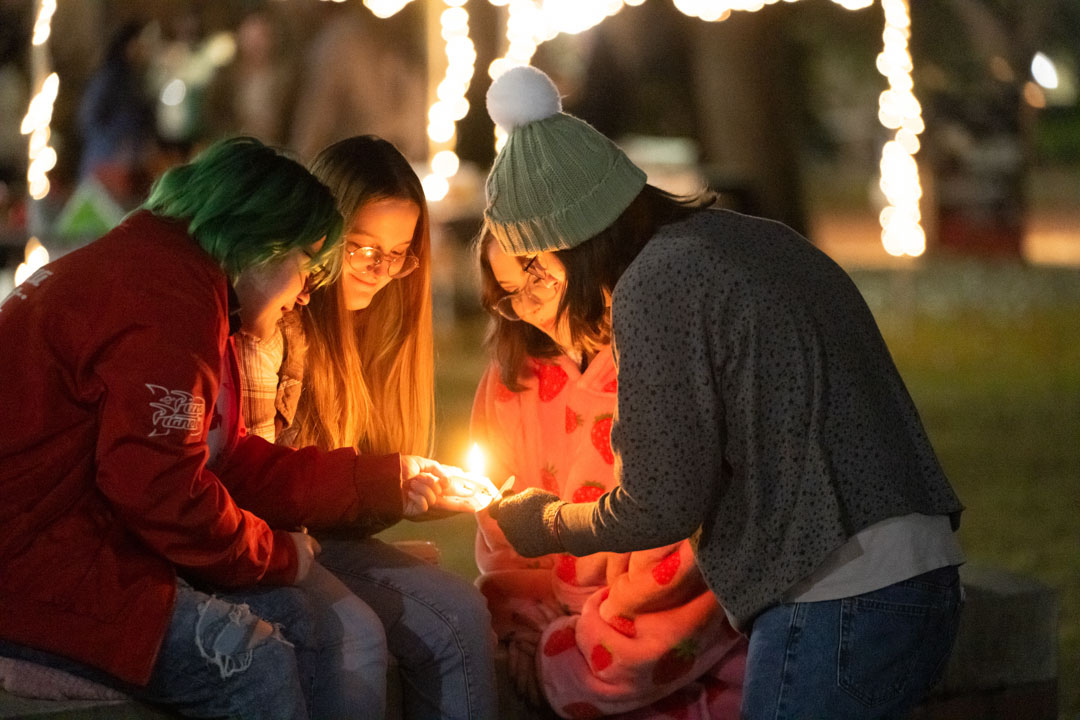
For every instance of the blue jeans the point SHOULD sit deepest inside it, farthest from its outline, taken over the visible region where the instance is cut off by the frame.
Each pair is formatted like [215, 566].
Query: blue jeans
[350, 674]
[437, 627]
[213, 664]
[868, 657]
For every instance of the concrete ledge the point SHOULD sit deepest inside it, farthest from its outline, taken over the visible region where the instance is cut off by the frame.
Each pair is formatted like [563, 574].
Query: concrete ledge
[13, 706]
[1031, 701]
[1005, 662]
[1004, 665]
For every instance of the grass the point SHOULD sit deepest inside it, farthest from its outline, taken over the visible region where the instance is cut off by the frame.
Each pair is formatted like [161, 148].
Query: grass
[991, 355]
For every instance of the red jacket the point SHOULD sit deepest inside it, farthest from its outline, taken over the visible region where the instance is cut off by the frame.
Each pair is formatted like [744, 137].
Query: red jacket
[110, 362]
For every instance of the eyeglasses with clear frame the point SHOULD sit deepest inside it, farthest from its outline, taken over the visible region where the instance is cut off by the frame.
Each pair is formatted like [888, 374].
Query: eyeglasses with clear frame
[368, 260]
[539, 288]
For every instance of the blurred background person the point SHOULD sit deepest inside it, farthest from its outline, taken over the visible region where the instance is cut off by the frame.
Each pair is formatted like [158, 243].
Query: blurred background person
[255, 93]
[358, 80]
[116, 116]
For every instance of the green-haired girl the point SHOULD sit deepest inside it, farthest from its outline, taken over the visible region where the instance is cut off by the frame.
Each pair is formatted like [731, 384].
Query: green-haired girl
[146, 542]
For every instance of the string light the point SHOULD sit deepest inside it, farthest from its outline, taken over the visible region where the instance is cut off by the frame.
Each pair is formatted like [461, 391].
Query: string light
[35, 257]
[385, 8]
[899, 110]
[42, 157]
[450, 105]
[43, 25]
[532, 22]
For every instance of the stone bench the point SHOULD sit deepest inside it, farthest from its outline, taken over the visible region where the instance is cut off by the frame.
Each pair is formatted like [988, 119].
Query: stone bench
[1004, 666]
[1005, 663]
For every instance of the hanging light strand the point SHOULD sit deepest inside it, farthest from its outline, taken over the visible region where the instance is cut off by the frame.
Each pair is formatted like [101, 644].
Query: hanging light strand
[899, 111]
[43, 24]
[384, 8]
[532, 22]
[42, 157]
[529, 24]
[450, 105]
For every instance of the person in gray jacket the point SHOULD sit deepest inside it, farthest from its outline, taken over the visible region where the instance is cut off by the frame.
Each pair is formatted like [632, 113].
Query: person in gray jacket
[759, 413]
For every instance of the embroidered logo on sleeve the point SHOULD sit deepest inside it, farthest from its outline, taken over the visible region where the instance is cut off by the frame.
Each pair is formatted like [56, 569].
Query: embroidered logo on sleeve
[175, 410]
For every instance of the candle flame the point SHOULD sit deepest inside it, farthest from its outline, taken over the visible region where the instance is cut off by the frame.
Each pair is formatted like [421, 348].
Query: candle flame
[474, 461]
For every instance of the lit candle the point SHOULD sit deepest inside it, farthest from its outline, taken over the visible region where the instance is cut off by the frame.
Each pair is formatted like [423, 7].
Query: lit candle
[475, 460]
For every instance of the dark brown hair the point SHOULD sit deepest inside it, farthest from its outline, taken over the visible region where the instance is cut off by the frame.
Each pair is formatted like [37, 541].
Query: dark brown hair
[592, 270]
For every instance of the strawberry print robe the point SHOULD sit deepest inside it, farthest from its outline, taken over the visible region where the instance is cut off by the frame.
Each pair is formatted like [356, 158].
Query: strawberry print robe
[638, 635]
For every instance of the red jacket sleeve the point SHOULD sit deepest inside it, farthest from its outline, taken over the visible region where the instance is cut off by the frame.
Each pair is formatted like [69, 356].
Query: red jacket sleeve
[289, 487]
[154, 365]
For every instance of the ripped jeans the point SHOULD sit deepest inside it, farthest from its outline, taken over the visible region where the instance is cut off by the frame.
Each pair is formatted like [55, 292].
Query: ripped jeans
[218, 660]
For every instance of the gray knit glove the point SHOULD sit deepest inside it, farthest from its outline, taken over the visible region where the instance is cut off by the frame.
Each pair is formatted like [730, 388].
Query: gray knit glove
[527, 519]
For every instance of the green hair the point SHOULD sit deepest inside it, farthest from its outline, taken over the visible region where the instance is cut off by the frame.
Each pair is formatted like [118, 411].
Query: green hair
[247, 204]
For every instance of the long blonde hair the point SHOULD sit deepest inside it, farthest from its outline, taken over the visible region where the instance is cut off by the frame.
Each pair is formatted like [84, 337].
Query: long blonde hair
[368, 379]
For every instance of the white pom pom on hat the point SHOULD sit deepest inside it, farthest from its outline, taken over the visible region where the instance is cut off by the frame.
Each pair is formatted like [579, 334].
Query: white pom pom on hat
[557, 181]
[522, 95]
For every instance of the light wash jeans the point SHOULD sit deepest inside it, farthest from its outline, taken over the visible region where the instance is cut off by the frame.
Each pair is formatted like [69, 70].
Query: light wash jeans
[206, 669]
[437, 628]
[350, 675]
[868, 657]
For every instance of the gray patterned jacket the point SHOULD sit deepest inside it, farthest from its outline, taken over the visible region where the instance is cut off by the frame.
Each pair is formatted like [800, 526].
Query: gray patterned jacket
[759, 411]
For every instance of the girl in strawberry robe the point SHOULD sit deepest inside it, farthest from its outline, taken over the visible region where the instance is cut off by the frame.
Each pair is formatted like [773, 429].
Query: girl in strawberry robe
[632, 635]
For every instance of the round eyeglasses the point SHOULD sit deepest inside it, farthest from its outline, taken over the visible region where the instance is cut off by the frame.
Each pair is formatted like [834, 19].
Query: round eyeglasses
[539, 288]
[368, 260]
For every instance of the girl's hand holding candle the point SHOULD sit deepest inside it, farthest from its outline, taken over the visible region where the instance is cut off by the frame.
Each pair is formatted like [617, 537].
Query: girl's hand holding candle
[424, 481]
[472, 490]
[433, 486]
[468, 491]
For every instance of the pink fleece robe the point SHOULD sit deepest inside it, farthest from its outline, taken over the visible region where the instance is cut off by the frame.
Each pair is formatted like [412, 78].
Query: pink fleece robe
[639, 635]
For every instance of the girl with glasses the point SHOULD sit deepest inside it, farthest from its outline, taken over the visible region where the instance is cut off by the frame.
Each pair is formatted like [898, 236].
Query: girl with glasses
[148, 543]
[584, 636]
[759, 412]
[354, 369]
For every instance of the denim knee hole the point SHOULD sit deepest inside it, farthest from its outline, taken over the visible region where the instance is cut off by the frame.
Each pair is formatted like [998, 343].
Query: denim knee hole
[227, 629]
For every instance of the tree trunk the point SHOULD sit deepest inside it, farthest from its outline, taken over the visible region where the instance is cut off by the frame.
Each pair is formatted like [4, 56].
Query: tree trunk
[747, 105]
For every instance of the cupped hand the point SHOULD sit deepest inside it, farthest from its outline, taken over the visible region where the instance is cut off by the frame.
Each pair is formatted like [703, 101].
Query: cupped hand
[422, 494]
[432, 486]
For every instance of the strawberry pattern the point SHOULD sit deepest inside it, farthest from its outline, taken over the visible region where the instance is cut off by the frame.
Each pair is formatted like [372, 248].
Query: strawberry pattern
[573, 420]
[622, 614]
[600, 657]
[548, 479]
[589, 492]
[566, 569]
[665, 571]
[676, 662]
[559, 641]
[623, 625]
[552, 380]
[601, 437]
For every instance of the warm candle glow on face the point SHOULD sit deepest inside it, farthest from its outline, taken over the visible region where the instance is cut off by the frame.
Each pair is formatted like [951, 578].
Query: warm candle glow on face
[474, 461]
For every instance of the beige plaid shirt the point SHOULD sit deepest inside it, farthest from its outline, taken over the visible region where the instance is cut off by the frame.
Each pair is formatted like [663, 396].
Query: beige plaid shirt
[260, 362]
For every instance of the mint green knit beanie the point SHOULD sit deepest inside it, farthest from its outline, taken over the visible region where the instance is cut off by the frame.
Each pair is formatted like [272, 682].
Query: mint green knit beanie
[558, 181]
